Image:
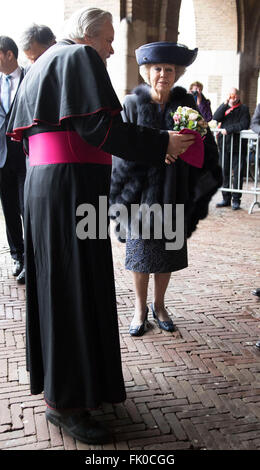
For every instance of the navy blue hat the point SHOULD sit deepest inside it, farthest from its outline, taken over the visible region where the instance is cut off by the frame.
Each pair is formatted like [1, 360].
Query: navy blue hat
[165, 53]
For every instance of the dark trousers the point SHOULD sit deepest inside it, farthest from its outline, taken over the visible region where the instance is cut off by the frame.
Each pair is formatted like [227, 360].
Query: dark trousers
[12, 178]
[236, 179]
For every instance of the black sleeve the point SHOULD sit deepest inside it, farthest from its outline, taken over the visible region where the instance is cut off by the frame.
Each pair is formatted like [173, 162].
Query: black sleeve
[125, 140]
[220, 112]
[242, 123]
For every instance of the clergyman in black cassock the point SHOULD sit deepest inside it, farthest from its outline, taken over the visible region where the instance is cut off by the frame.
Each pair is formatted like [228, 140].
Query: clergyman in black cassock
[68, 117]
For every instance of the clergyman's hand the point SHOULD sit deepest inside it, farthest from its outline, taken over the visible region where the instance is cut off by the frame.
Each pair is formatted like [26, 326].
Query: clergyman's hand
[178, 144]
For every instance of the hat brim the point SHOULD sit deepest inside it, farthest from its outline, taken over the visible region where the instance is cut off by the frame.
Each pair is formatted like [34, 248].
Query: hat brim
[165, 53]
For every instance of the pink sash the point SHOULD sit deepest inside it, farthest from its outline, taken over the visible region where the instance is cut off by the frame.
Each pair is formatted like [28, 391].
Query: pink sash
[64, 147]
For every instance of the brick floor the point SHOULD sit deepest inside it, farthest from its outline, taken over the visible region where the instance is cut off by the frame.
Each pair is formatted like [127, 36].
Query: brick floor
[198, 388]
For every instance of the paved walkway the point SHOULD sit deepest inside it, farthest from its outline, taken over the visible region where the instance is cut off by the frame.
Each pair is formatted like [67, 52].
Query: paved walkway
[198, 388]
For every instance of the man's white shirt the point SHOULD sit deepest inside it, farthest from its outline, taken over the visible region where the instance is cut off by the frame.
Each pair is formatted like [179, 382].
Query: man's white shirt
[15, 80]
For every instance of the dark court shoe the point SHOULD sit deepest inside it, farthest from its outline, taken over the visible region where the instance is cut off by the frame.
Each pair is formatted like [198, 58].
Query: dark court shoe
[256, 292]
[257, 345]
[164, 325]
[235, 206]
[79, 425]
[140, 329]
[17, 267]
[21, 278]
[223, 204]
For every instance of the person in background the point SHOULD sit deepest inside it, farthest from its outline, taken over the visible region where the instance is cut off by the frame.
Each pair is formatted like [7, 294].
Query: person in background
[255, 121]
[203, 103]
[255, 126]
[234, 117]
[36, 40]
[70, 126]
[12, 158]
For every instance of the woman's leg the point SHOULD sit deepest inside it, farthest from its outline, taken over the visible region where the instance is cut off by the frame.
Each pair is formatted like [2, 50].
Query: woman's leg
[141, 281]
[161, 281]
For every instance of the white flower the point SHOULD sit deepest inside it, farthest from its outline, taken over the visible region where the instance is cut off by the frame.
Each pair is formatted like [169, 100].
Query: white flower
[193, 116]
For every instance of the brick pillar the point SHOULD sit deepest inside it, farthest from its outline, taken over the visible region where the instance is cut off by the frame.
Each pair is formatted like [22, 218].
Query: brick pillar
[148, 21]
[136, 22]
[249, 45]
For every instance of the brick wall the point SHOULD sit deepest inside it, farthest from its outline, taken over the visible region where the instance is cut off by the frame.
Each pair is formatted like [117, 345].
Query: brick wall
[109, 5]
[215, 86]
[216, 24]
[172, 20]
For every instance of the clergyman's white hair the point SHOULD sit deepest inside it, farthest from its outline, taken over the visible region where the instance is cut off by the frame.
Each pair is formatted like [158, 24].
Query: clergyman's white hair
[86, 21]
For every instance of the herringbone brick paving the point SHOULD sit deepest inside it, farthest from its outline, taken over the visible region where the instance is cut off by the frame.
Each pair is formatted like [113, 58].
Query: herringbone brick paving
[198, 388]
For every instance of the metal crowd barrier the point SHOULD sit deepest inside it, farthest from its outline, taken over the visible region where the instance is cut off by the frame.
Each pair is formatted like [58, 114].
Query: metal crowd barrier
[251, 173]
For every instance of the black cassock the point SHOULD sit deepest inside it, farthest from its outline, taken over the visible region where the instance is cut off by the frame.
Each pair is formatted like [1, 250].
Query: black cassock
[73, 350]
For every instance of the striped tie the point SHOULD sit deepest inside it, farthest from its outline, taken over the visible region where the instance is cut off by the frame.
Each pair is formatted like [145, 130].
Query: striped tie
[6, 92]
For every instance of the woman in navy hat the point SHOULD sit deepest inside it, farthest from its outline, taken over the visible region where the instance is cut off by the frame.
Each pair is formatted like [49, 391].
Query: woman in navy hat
[150, 105]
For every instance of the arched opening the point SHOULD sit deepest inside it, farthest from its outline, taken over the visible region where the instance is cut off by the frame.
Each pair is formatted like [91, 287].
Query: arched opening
[187, 24]
[212, 27]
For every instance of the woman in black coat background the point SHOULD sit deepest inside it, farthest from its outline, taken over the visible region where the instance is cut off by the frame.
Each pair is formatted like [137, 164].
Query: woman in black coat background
[151, 105]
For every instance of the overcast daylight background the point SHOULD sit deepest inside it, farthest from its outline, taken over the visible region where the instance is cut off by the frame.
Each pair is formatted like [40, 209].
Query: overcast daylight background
[17, 15]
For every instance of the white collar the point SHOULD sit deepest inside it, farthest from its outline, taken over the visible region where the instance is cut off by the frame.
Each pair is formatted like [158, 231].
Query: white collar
[15, 74]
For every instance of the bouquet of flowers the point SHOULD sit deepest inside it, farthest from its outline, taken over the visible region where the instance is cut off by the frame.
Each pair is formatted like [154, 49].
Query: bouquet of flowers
[188, 118]
[189, 121]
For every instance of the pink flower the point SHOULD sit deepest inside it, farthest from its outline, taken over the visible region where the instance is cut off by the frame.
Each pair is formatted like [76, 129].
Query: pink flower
[177, 118]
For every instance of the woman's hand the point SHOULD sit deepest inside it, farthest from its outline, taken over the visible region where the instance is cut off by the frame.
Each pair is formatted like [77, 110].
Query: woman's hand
[178, 144]
[170, 159]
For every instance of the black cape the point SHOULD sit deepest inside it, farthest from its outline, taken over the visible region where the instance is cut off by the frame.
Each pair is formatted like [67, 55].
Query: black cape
[70, 82]
[66, 81]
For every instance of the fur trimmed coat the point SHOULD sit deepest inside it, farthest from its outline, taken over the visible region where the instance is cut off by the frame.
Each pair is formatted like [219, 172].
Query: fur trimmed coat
[178, 183]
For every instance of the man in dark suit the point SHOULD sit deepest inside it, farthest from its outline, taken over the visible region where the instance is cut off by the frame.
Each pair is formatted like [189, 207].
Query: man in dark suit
[12, 157]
